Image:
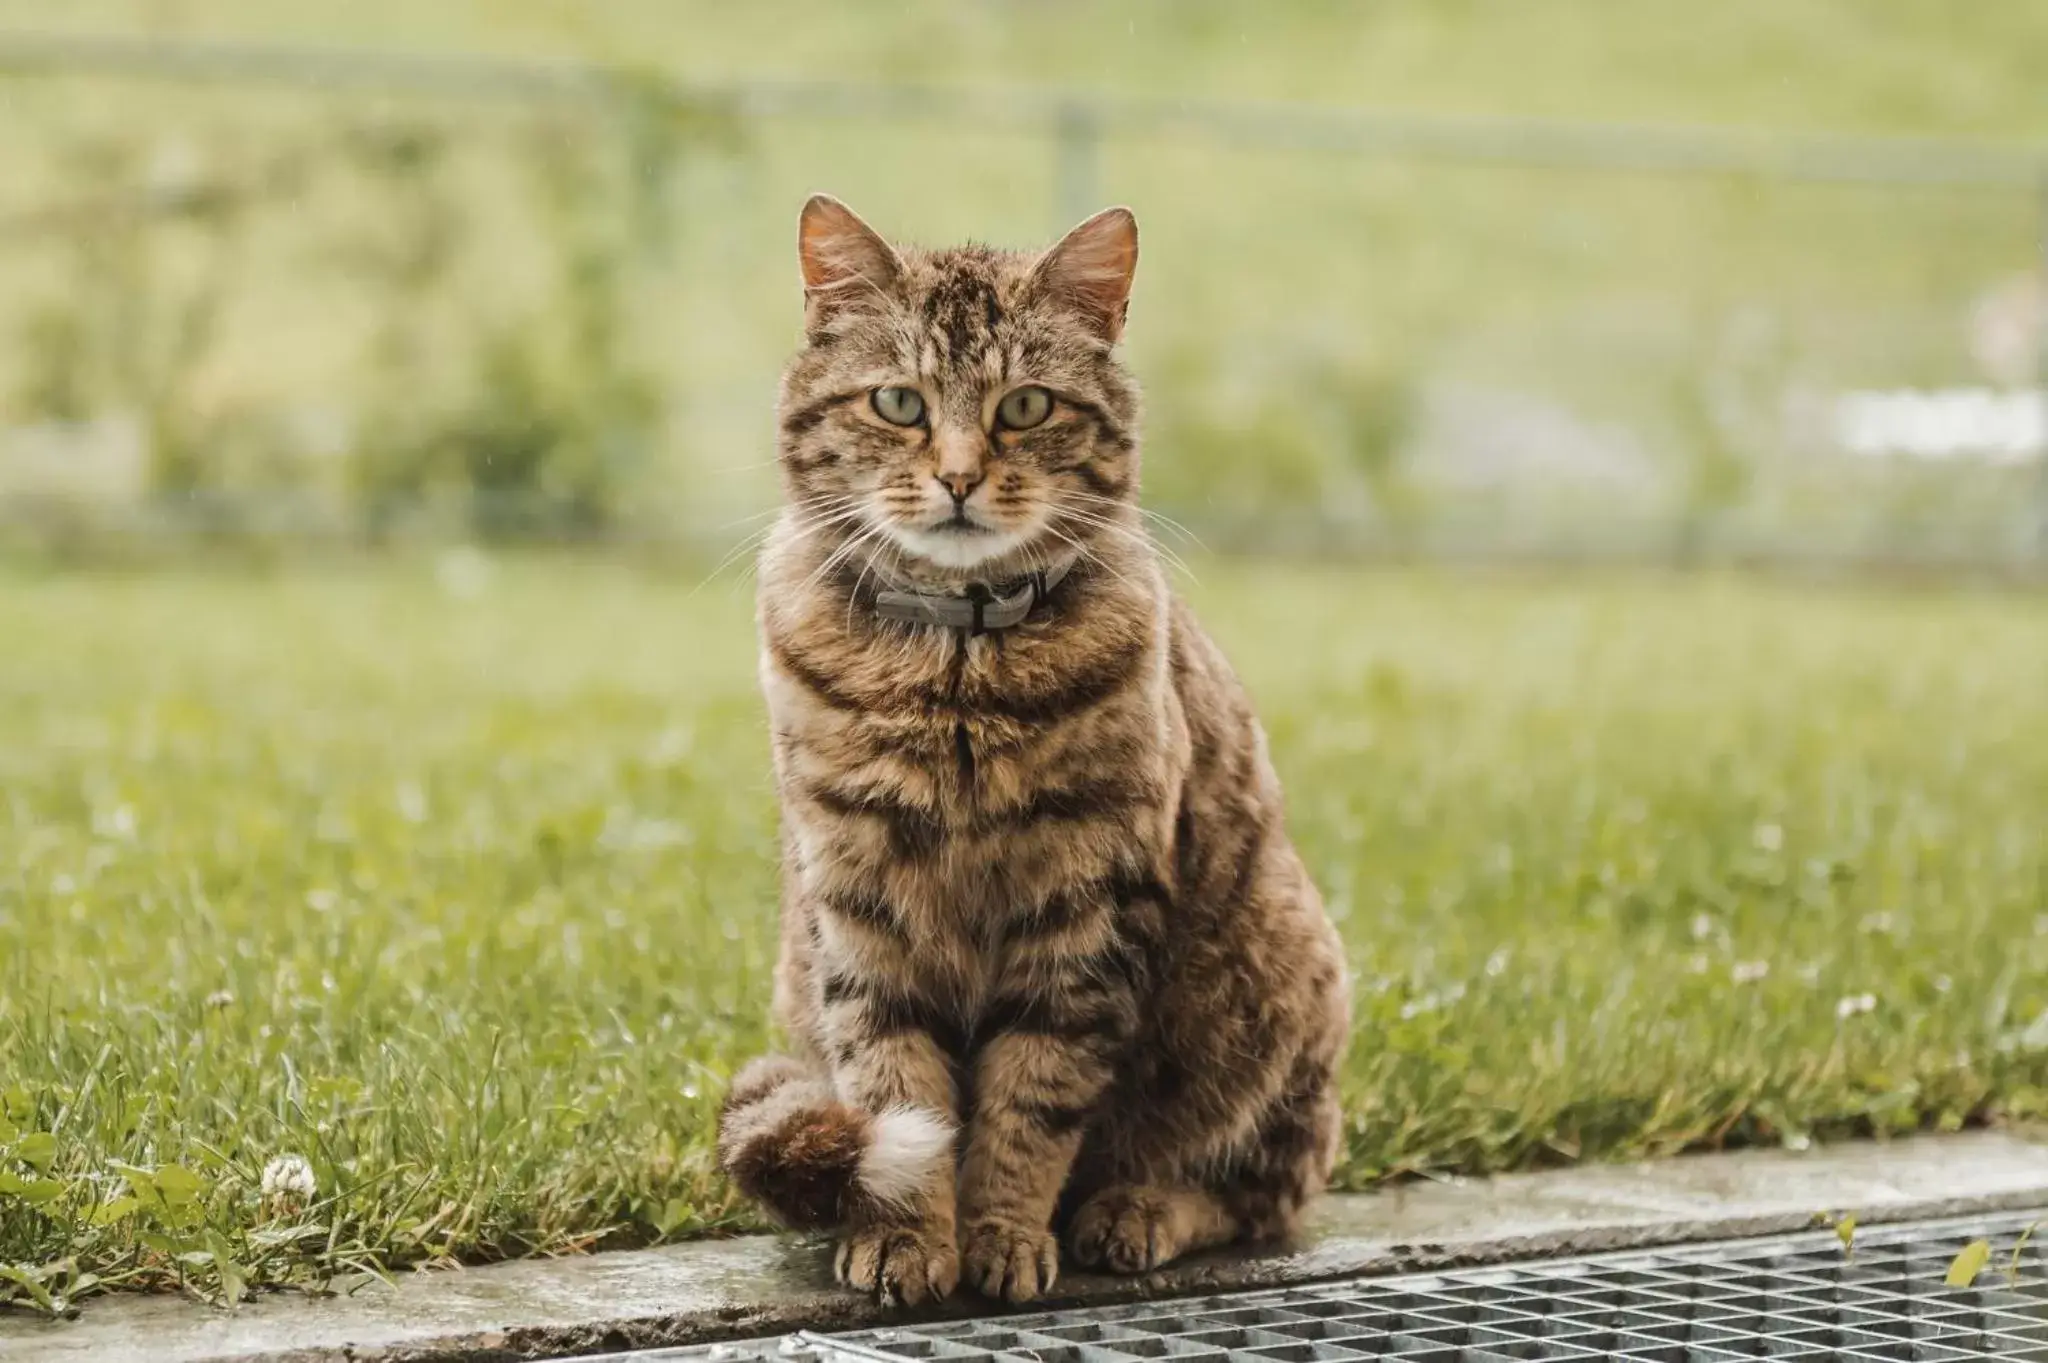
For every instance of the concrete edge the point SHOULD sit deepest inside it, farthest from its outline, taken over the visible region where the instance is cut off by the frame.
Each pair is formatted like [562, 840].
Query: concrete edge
[608, 1337]
[709, 1291]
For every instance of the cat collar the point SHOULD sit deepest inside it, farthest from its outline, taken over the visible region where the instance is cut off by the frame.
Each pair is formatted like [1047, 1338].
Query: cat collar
[978, 610]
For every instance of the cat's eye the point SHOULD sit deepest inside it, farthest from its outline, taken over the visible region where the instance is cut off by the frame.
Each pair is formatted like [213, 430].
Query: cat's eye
[900, 406]
[1024, 408]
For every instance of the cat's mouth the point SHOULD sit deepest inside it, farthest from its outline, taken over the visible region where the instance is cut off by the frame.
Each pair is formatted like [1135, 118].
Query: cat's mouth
[958, 541]
[960, 523]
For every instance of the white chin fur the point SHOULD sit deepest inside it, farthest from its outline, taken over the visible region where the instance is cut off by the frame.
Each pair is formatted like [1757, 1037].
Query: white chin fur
[958, 552]
[905, 1147]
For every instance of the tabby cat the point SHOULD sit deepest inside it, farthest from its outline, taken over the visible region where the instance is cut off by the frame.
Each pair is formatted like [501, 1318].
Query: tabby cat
[1049, 963]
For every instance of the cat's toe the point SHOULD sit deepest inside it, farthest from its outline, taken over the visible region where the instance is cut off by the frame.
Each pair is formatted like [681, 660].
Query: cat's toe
[899, 1265]
[1007, 1261]
[1125, 1230]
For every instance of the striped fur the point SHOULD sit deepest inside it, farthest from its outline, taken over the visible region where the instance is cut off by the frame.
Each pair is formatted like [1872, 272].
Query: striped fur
[1037, 883]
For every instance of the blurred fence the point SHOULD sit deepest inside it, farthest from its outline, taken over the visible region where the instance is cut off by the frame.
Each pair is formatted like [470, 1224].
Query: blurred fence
[296, 296]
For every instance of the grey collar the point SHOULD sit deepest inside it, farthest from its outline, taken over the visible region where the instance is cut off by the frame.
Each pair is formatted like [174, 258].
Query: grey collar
[978, 610]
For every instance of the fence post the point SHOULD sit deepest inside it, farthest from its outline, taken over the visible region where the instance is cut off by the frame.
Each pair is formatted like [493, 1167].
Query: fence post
[1077, 143]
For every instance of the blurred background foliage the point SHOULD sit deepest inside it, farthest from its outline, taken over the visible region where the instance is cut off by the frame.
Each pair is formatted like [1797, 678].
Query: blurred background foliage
[374, 272]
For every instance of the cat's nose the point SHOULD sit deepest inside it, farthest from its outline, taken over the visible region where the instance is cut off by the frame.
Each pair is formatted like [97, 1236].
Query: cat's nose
[962, 460]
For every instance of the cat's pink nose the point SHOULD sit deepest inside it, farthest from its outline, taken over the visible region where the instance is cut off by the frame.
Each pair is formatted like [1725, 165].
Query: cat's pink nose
[960, 482]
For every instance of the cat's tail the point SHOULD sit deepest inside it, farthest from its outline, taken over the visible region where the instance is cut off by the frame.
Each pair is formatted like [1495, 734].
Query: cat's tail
[814, 1162]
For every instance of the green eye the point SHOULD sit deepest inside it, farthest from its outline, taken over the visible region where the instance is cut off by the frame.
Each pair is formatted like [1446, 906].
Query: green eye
[900, 406]
[1024, 408]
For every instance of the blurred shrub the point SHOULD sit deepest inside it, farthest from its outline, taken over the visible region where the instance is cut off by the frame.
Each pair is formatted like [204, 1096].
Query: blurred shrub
[563, 416]
[1318, 437]
[508, 401]
[547, 414]
[147, 253]
[425, 323]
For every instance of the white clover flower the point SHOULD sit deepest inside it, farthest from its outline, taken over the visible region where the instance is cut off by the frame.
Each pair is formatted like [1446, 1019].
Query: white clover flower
[288, 1182]
[1749, 972]
[1849, 1005]
[1415, 1008]
[1702, 927]
[1768, 837]
[1431, 1002]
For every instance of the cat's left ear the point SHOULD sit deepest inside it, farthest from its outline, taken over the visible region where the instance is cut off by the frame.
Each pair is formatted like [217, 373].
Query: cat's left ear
[845, 261]
[1091, 269]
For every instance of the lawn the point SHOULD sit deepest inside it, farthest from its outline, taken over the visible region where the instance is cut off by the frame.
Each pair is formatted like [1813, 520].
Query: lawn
[460, 885]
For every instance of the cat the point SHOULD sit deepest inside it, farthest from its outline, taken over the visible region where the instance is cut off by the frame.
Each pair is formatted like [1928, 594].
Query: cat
[1048, 959]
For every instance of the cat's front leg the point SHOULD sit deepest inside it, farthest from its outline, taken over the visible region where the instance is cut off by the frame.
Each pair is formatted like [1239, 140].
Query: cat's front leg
[1055, 1032]
[902, 1243]
[903, 1248]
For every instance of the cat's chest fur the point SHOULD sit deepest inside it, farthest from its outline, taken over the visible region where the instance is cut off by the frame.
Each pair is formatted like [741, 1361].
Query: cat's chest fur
[979, 779]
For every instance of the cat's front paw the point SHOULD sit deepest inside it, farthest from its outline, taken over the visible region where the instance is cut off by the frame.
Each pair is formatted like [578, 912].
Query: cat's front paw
[900, 1265]
[1010, 1261]
[1126, 1230]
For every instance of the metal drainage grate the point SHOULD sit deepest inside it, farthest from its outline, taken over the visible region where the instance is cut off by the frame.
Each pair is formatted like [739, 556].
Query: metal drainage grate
[1788, 1297]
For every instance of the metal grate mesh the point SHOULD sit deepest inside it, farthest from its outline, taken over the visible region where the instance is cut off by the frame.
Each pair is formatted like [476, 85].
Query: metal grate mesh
[1790, 1297]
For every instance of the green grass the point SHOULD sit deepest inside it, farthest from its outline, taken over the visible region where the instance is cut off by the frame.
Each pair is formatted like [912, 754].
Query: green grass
[469, 899]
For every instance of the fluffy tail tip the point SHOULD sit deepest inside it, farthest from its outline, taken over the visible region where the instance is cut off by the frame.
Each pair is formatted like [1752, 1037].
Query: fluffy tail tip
[816, 1163]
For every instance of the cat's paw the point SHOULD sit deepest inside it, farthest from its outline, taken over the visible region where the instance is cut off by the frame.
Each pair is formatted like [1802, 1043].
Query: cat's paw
[1010, 1261]
[1125, 1230]
[899, 1265]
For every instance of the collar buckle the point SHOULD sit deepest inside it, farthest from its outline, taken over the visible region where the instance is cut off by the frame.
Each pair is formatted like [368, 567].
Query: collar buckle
[978, 610]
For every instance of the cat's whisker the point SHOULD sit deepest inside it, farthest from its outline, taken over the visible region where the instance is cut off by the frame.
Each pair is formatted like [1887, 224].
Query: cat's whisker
[1165, 521]
[853, 597]
[800, 506]
[1113, 505]
[839, 554]
[867, 566]
[1086, 555]
[831, 560]
[1138, 537]
[750, 520]
[753, 540]
[807, 526]
[1134, 536]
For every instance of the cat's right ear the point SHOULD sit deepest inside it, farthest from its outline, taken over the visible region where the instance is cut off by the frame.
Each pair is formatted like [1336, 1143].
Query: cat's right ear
[846, 263]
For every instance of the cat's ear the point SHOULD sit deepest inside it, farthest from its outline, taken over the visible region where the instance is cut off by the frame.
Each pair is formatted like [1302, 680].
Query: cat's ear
[845, 261]
[1090, 269]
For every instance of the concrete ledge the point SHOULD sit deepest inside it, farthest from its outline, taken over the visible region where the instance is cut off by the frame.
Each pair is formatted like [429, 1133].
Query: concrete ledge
[694, 1293]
